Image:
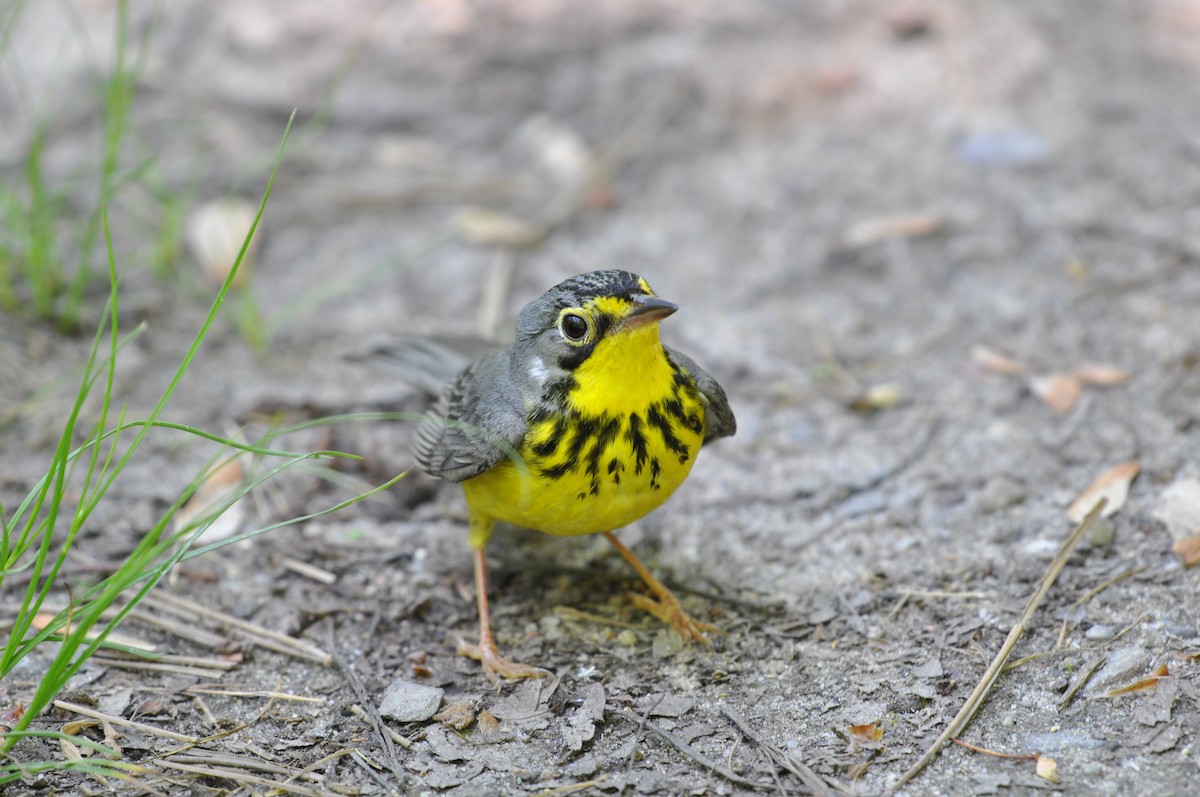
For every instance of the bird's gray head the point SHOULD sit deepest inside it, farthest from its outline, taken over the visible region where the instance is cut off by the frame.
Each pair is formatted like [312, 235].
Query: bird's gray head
[559, 331]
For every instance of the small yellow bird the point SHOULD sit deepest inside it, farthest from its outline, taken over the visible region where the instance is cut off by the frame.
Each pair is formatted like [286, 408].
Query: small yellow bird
[584, 424]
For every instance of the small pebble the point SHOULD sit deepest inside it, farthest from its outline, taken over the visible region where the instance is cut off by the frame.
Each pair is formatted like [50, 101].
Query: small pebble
[1102, 533]
[666, 643]
[1124, 664]
[1000, 493]
[627, 638]
[1003, 148]
[405, 701]
[1100, 632]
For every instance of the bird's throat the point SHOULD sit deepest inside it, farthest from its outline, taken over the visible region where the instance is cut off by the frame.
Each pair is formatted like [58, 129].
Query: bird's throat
[626, 372]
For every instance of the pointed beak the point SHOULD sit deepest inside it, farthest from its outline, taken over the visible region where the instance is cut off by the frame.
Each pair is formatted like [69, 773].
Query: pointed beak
[647, 310]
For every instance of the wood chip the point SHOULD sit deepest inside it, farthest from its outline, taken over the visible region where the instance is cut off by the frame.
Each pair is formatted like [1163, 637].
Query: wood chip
[490, 228]
[317, 574]
[1187, 550]
[877, 397]
[1112, 485]
[220, 485]
[997, 363]
[912, 225]
[1047, 768]
[1059, 391]
[1101, 375]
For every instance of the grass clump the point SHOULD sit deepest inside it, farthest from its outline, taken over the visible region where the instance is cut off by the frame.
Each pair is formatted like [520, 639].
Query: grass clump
[36, 537]
[48, 249]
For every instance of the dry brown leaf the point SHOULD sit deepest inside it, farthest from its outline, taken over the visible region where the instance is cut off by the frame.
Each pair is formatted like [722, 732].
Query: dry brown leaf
[868, 734]
[456, 715]
[1047, 768]
[70, 751]
[488, 724]
[11, 716]
[1101, 375]
[1113, 485]
[996, 362]
[219, 486]
[1058, 391]
[1187, 550]
[1142, 684]
[488, 227]
[75, 726]
[877, 397]
[912, 225]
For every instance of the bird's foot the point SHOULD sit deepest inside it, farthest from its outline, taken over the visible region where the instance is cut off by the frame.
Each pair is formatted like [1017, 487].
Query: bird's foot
[496, 666]
[667, 609]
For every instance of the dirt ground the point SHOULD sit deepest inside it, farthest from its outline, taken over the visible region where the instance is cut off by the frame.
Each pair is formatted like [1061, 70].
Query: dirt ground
[841, 195]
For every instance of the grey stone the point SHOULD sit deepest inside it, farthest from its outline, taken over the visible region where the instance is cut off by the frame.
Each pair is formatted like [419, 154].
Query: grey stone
[405, 701]
[1124, 664]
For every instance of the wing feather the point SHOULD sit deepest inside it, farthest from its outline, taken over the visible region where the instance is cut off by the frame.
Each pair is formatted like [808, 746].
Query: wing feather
[463, 435]
[718, 421]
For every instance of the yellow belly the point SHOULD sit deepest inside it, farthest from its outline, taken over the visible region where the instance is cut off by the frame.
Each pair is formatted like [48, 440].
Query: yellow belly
[581, 476]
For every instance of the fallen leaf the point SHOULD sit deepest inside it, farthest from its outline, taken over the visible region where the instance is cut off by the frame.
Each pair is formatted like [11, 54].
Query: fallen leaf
[215, 233]
[996, 362]
[868, 734]
[1101, 375]
[1047, 768]
[877, 397]
[219, 485]
[456, 715]
[1058, 391]
[73, 727]
[1178, 508]
[1141, 684]
[913, 225]
[1113, 485]
[1187, 550]
[488, 227]
[70, 751]
[11, 716]
[488, 724]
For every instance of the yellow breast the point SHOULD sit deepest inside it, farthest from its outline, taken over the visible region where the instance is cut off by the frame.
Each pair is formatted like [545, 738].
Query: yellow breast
[625, 441]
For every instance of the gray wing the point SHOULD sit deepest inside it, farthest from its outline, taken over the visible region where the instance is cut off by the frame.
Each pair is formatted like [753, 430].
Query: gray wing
[463, 435]
[718, 420]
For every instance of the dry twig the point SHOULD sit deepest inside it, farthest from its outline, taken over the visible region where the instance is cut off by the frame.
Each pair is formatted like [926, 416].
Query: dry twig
[975, 701]
[785, 760]
[691, 752]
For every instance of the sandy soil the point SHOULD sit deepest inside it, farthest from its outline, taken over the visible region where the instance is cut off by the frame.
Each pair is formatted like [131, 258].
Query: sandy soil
[841, 195]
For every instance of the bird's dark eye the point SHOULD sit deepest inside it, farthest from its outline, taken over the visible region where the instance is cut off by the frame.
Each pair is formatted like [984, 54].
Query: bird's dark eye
[574, 326]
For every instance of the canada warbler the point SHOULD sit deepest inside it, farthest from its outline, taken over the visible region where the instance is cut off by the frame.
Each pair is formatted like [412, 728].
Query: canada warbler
[584, 424]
